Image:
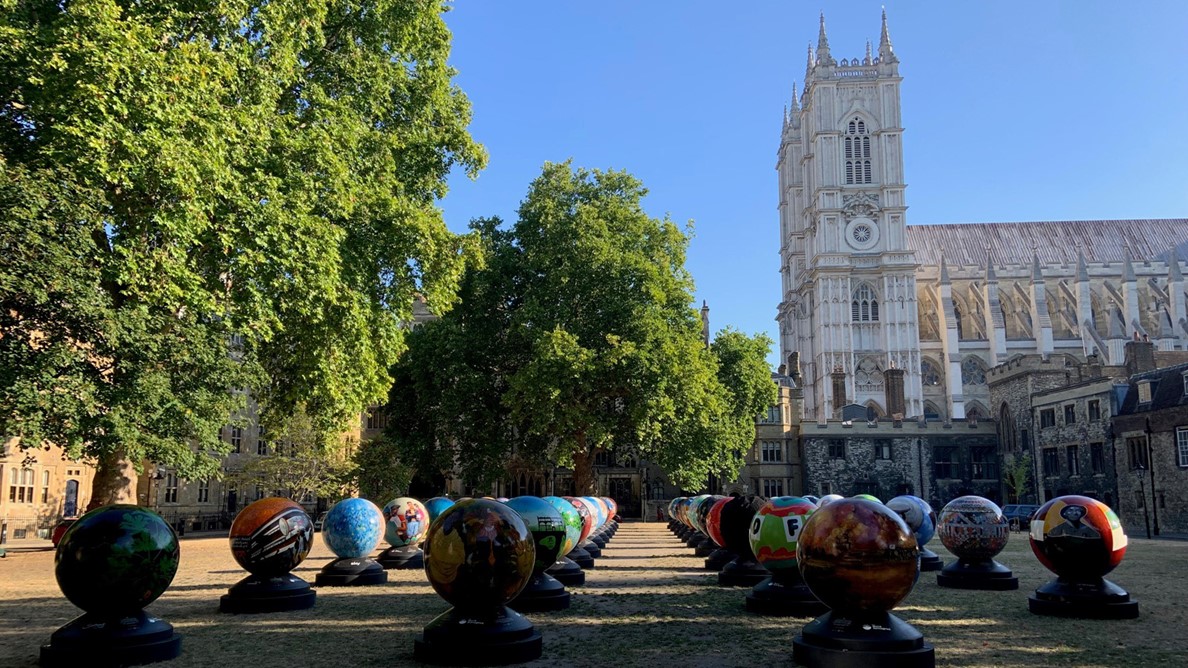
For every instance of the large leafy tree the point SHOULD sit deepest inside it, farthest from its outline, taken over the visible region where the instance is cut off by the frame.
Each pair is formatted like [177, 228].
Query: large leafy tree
[577, 335]
[208, 199]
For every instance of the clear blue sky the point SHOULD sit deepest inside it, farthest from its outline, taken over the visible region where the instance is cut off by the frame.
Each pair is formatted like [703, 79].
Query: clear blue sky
[1012, 111]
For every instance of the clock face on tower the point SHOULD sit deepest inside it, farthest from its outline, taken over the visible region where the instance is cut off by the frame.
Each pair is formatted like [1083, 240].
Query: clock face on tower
[862, 233]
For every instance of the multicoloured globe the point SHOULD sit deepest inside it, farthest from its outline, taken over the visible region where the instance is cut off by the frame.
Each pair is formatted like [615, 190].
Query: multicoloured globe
[691, 516]
[585, 513]
[858, 556]
[713, 521]
[353, 528]
[116, 559]
[973, 528]
[479, 554]
[1078, 538]
[437, 506]
[672, 507]
[917, 514]
[829, 498]
[776, 528]
[571, 519]
[612, 504]
[703, 511]
[271, 536]
[546, 525]
[867, 497]
[406, 522]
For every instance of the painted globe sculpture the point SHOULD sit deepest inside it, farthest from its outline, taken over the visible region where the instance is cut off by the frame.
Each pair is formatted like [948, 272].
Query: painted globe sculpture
[352, 528]
[713, 521]
[1078, 538]
[585, 513]
[917, 514]
[614, 506]
[545, 524]
[672, 507]
[271, 536]
[829, 498]
[811, 497]
[117, 559]
[436, 506]
[571, 520]
[692, 514]
[703, 511]
[406, 522]
[596, 509]
[973, 528]
[776, 528]
[857, 556]
[479, 554]
[867, 497]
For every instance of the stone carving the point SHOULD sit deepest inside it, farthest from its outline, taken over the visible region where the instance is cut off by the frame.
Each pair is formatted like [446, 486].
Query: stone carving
[860, 205]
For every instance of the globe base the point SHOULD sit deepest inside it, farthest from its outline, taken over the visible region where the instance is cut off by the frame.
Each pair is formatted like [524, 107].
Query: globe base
[930, 561]
[581, 557]
[400, 558]
[693, 538]
[784, 594]
[483, 638]
[873, 640]
[705, 548]
[718, 559]
[95, 639]
[257, 593]
[543, 594]
[591, 549]
[742, 573]
[567, 572]
[1086, 600]
[986, 574]
[599, 539]
[351, 572]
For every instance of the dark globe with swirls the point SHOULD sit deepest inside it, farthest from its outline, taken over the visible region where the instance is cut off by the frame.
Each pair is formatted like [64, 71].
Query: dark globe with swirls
[1077, 537]
[271, 536]
[973, 528]
[116, 559]
[479, 554]
[858, 556]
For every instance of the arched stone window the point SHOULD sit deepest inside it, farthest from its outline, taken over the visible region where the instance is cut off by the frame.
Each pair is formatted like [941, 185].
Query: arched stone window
[973, 371]
[931, 412]
[1006, 430]
[975, 411]
[856, 145]
[930, 375]
[865, 305]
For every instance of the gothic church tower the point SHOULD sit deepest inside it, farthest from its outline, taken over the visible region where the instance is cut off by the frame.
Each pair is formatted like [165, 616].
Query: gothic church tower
[849, 309]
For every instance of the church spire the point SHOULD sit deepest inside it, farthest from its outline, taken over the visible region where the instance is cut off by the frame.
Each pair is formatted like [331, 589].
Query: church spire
[808, 67]
[867, 61]
[795, 99]
[886, 52]
[823, 56]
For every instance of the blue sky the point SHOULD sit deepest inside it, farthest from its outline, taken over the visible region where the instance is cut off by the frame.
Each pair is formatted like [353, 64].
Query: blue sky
[1012, 111]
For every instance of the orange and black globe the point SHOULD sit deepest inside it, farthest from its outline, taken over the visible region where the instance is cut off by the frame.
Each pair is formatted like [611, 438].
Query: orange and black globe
[1077, 538]
[271, 536]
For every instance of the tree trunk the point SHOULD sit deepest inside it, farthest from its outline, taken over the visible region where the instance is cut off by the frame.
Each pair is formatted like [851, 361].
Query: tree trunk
[115, 481]
[583, 468]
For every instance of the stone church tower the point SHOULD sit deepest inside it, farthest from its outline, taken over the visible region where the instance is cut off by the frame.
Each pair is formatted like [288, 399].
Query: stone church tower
[849, 310]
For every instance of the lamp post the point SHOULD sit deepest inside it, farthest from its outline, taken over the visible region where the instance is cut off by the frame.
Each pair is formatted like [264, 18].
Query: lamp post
[1143, 493]
[1151, 464]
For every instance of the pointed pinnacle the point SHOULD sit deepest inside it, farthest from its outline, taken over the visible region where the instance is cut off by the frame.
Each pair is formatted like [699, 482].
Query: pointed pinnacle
[886, 51]
[990, 277]
[823, 56]
[1037, 274]
[1173, 267]
[944, 273]
[795, 99]
[1127, 269]
[1082, 270]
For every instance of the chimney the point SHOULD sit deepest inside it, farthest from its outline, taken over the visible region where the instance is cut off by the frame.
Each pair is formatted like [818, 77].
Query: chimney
[893, 385]
[839, 390]
[794, 367]
[1139, 356]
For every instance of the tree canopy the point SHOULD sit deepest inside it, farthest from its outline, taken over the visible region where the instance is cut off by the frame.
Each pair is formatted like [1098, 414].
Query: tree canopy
[577, 334]
[181, 181]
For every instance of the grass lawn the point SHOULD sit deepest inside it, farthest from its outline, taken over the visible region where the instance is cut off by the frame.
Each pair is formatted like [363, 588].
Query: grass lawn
[648, 603]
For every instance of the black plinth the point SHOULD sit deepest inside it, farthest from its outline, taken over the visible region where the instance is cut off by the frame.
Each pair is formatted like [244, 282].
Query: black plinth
[544, 593]
[930, 561]
[879, 641]
[256, 594]
[1087, 600]
[694, 539]
[351, 572]
[705, 548]
[718, 559]
[988, 574]
[742, 573]
[784, 594]
[567, 572]
[599, 539]
[407, 557]
[591, 549]
[473, 639]
[97, 640]
[580, 557]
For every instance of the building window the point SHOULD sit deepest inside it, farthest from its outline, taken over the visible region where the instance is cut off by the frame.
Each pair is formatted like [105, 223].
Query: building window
[236, 439]
[825, 488]
[1051, 462]
[1070, 414]
[20, 488]
[1136, 448]
[1074, 464]
[973, 372]
[773, 487]
[1182, 446]
[45, 478]
[856, 145]
[865, 305]
[203, 491]
[1145, 389]
[985, 462]
[1094, 410]
[929, 374]
[773, 451]
[377, 418]
[1047, 418]
[882, 449]
[171, 488]
[773, 415]
[837, 449]
[1097, 457]
[944, 461]
[261, 441]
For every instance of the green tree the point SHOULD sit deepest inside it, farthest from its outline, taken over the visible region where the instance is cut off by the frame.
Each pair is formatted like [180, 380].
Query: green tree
[1016, 475]
[576, 335]
[377, 474]
[303, 461]
[179, 178]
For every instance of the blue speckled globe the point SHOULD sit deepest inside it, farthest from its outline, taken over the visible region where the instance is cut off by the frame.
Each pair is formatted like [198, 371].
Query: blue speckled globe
[437, 505]
[353, 528]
